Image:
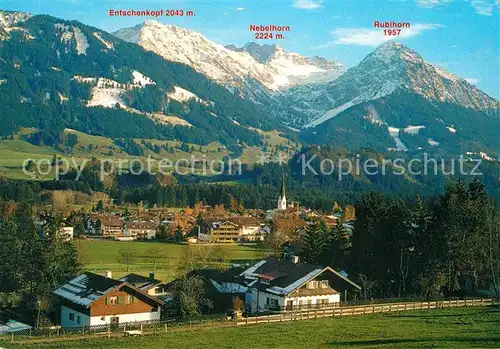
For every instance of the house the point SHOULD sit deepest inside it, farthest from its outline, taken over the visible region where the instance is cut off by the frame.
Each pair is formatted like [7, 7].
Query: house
[250, 228]
[148, 284]
[110, 226]
[219, 231]
[91, 299]
[65, 232]
[234, 229]
[140, 229]
[288, 284]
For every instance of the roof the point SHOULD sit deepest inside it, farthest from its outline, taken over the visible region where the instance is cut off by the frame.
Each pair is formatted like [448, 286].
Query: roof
[141, 225]
[86, 288]
[89, 287]
[285, 276]
[142, 282]
[112, 221]
[13, 326]
[245, 221]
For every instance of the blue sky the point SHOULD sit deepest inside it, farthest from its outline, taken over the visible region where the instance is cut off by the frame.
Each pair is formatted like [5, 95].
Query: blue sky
[460, 36]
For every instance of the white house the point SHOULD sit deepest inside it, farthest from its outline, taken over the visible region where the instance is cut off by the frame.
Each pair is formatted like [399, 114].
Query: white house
[289, 285]
[91, 299]
[140, 229]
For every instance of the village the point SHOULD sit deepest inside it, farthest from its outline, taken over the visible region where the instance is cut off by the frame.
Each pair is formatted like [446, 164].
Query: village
[285, 283]
[280, 282]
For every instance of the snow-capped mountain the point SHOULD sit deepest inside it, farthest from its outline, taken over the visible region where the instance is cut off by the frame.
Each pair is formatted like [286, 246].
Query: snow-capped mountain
[8, 21]
[390, 67]
[395, 100]
[246, 70]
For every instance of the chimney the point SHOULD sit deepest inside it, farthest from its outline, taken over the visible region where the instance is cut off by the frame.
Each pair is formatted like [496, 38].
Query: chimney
[108, 274]
[151, 275]
[296, 259]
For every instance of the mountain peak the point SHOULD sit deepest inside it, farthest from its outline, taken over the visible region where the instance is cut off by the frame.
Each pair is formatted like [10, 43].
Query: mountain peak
[261, 53]
[10, 18]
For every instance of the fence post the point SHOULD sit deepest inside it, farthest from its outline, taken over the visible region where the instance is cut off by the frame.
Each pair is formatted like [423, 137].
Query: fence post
[141, 327]
[12, 337]
[165, 327]
[109, 330]
[124, 327]
[481, 302]
[281, 317]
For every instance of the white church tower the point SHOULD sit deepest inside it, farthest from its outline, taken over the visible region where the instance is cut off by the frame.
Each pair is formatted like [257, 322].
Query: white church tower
[282, 197]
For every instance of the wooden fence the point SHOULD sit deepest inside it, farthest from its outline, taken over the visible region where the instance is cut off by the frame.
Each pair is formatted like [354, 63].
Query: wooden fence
[360, 310]
[152, 327]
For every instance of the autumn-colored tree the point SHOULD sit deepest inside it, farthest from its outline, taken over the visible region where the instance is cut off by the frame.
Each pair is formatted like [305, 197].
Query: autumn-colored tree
[336, 208]
[349, 213]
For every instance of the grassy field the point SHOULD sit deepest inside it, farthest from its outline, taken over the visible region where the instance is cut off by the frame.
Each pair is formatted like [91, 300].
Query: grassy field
[102, 255]
[445, 328]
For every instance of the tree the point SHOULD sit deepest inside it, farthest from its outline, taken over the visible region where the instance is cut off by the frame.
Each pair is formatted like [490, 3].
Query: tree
[100, 206]
[316, 241]
[189, 298]
[125, 256]
[336, 208]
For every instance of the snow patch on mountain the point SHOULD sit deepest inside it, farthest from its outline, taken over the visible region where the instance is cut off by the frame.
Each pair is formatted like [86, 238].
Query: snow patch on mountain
[332, 113]
[413, 130]
[82, 43]
[182, 95]
[140, 79]
[433, 142]
[106, 43]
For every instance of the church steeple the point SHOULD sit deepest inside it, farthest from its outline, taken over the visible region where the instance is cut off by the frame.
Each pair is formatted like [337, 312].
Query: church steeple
[282, 197]
[283, 193]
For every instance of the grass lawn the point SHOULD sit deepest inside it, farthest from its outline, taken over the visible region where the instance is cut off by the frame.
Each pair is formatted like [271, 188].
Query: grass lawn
[445, 328]
[102, 255]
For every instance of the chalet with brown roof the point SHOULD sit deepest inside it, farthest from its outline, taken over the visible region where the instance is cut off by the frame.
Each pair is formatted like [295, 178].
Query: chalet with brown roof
[91, 299]
[110, 226]
[234, 229]
[288, 284]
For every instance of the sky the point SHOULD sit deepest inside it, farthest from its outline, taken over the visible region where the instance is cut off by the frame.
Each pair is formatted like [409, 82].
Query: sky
[461, 36]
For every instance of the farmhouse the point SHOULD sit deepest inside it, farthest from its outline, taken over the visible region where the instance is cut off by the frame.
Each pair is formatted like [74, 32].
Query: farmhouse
[91, 299]
[290, 285]
[140, 229]
[234, 229]
[110, 226]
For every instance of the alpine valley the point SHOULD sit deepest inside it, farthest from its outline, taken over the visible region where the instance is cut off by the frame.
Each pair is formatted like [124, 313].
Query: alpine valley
[156, 82]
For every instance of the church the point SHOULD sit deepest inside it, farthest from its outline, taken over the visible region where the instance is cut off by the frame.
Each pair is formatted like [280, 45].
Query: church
[282, 198]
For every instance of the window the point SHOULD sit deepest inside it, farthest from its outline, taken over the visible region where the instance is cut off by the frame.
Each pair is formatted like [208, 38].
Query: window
[130, 299]
[78, 319]
[324, 283]
[71, 317]
[272, 303]
[312, 284]
[113, 300]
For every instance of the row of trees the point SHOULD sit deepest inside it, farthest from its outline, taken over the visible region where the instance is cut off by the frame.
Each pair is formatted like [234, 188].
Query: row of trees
[449, 246]
[32, 263]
